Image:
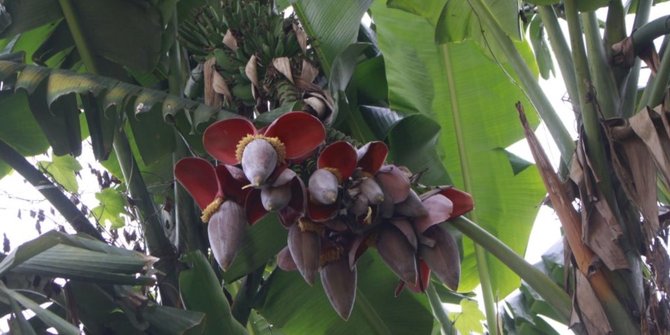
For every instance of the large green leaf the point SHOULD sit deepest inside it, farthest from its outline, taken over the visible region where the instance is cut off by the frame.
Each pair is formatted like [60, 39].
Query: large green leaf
[134, 42]
[261, 243]
[19, 128]
[332, 25]
[201, 291]
[472, 99]
[455, 21]
[59, 255]
[52, 96]
[45, 315]
[296, 308]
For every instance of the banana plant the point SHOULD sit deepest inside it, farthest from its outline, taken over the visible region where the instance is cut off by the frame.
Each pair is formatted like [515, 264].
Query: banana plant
[305, 139]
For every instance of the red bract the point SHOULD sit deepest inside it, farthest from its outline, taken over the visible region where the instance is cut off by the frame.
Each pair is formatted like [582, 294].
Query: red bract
[436, 249]
[219, 193]
[286, 196]
[206, 182]
[293, 136]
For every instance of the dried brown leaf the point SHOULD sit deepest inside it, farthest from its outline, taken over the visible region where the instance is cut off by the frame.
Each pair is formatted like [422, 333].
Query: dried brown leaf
[309, 72]
[560, 199]
[211, 97]
[283, 65]
[251, 70]
[656, 140]
[229, 40]
[635, 169]
[221, 87]
[591, 312]
[603, 237]
[301, 36]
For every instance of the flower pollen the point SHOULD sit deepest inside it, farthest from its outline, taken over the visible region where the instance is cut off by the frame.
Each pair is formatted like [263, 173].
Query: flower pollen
[335, 172]
[331, 255]
[211, 209]
[308, 225]
[274, 141]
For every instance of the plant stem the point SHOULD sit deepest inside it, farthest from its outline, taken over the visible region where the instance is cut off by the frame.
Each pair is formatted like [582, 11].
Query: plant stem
[438, 310]
[562, 53]
[156, 239]
[50, 191]
[528, 81]
[244, 299]
[605, 87]
[80, 41]
[660, 83]
[157, 242]
[189, 235]
[629, 94]
[540, 282]
[487, 289]
[646, 34]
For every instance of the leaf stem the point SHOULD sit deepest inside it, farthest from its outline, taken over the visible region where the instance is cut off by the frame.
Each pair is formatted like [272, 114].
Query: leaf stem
[540, 282]
[438, 310]
[660, 82]
[80, 41]
[605, 87]
[54, 195]
[487, 289]
[528, 81]
[562, 53]
[629, 94]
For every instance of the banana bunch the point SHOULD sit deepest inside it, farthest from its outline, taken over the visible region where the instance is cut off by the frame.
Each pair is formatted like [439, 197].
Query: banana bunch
[254, 59]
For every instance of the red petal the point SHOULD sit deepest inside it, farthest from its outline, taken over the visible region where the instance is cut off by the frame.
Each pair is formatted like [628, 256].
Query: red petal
[439, 209]
[339, 283]
[462, 201]
[358, 247]
[296, 207]
[372, 155]
[199, 178]
[221, 138]
[300, 132]
[254, 207]
[232, 180]
[424, 278]
[341, 156]
[443, 258]
[321, 213]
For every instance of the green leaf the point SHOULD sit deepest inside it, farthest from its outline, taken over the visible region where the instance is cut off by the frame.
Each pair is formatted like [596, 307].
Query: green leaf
[416, 150]
[29, 14]
[472, 100]
[455, 21]
[469, 319]
[201, 291]
[102, 314]
[173, 321]
[261, 243]
[296, 308]
[63, 169]
[56, 254]
[45, 315]
[517, 163]
[540, 47]
[18, 323]
[370, 81]
[19, 128]
[153, 138]
[112, 205]
[332, 25]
